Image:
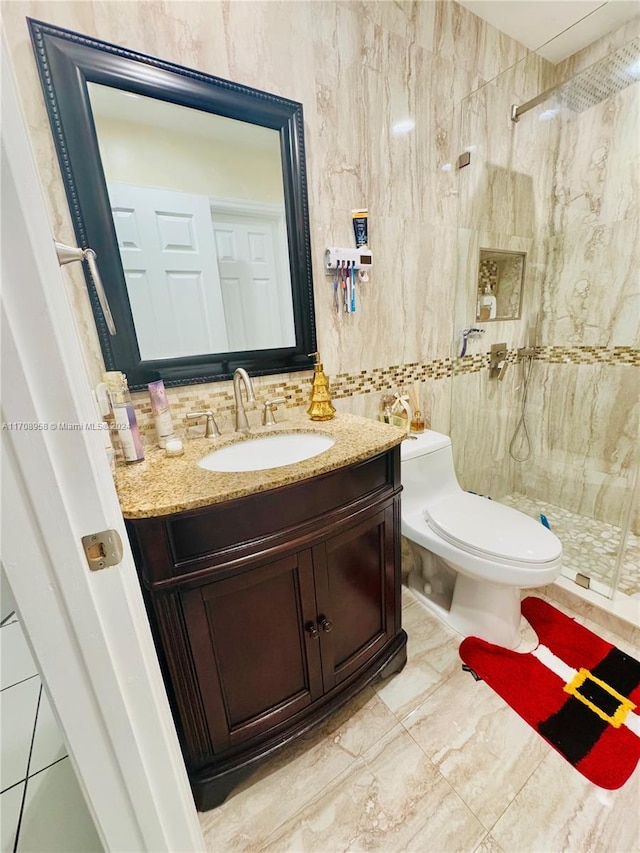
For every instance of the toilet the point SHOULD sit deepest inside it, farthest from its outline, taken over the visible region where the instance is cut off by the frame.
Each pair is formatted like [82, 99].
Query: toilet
[471, 556]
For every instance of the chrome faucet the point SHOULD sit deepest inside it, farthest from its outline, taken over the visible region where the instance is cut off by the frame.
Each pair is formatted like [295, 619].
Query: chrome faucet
[241, 376]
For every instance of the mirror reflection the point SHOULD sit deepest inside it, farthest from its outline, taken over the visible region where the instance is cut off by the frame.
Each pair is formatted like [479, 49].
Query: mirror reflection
[198, 206]
[499, 286]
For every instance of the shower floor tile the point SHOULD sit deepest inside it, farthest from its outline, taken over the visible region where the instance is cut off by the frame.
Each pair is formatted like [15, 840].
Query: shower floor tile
[589, 547]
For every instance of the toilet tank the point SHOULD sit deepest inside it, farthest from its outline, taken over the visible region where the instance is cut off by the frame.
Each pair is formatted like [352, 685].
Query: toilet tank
[426, 469]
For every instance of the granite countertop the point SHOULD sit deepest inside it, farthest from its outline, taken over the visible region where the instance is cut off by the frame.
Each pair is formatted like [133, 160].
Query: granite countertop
[161, 484]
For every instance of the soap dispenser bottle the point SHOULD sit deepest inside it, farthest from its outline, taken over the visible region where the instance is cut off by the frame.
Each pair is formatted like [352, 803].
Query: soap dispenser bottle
[320, 408]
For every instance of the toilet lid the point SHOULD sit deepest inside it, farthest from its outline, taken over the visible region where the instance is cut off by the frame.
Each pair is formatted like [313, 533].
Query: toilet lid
[491, 529]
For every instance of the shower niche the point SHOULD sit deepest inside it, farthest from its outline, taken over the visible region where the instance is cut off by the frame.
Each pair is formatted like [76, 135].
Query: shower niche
[499, 285]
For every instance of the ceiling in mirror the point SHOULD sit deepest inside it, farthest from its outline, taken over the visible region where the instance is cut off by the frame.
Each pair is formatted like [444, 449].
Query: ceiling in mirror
[192, 192]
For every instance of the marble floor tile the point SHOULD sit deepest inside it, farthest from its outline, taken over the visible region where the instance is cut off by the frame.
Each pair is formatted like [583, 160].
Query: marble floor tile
[430, 761]
[392, 800]
[559, 810]
[478, 743]
[283, 785]
[432, 656]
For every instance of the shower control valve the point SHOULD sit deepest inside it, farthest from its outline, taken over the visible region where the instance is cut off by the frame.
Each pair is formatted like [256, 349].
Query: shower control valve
[497, 361]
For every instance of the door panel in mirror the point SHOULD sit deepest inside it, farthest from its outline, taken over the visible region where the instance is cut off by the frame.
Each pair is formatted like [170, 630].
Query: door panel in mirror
[192, 192]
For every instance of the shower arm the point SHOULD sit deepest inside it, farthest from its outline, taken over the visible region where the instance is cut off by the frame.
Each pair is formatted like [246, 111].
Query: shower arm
[519, 109]
[68, 254]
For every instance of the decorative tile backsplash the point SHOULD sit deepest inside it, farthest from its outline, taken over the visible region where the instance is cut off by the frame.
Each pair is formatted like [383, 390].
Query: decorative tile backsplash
[589, 355]
[295, 388]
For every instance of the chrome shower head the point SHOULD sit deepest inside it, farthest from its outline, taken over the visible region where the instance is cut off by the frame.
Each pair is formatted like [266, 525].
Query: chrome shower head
[601, 80]
[595, 84]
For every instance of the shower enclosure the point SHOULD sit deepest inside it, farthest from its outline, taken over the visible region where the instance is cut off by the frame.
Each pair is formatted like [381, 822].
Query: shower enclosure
[554, 173]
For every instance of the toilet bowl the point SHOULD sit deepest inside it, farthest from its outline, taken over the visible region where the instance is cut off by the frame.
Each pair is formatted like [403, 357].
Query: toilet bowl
[473, 555]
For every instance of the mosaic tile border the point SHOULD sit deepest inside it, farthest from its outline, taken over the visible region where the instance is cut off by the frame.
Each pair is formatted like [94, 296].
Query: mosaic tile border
[589, 355]
[296, 388]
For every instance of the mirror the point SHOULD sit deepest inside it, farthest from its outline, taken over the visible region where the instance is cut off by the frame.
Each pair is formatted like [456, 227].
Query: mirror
[499, 286]
[192, 192]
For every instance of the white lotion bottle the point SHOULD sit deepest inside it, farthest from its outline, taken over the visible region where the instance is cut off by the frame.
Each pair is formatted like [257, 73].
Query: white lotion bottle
[161, 413]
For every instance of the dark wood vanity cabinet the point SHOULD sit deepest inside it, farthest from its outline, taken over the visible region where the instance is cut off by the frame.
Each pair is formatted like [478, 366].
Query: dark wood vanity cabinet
[262, 636]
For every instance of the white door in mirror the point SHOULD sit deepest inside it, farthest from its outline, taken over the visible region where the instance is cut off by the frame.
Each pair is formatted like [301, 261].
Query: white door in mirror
[274, 451]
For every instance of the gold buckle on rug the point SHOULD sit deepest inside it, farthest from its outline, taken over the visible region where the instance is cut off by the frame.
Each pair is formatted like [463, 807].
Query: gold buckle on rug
[625, 705]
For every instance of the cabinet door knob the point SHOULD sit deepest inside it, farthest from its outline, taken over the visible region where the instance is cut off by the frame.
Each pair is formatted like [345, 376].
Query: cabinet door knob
[311, 629]
[325, 624]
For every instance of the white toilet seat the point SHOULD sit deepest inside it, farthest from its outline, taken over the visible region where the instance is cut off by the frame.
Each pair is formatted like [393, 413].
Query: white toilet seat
[491, 530]
[491, 550]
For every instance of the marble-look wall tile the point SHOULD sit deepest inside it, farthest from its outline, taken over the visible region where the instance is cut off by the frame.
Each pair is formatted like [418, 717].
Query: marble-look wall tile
[401, 308]
[412, 20]
[597, 164]
[507, 185]
[591, 291]
[583, 425]
[461, 36]
[357, 68]
[482, 423]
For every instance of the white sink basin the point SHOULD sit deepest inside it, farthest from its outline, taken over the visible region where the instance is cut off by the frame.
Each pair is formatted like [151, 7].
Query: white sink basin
[272, 451]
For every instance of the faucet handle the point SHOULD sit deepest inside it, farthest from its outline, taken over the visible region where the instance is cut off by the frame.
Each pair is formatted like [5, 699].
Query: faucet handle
[268, 409]
[211, 430]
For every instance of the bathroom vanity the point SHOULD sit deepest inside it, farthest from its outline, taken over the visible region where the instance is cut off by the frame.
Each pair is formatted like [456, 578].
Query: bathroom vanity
[273, 596]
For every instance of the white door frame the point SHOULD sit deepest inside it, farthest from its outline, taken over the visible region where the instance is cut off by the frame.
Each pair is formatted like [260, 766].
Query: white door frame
[88, 630]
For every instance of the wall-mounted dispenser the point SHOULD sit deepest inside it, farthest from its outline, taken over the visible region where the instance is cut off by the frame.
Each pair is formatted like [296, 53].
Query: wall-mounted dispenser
[360, 259]
[343, 264]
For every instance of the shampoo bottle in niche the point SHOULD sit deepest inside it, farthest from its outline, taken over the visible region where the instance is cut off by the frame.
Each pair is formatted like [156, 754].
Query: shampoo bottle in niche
[161, 413]
[124, 416]
[320, 408]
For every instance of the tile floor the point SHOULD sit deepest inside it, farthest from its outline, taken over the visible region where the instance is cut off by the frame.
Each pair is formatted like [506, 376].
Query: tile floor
[427, 761]
[41, 807]
[588, 546]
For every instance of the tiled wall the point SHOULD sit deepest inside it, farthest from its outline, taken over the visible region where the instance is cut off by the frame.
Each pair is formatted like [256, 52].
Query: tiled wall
[357, 68]
[41, 805]
[458, 77]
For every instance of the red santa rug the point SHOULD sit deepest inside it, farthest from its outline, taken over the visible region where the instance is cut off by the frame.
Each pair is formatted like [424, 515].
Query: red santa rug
[575, 689]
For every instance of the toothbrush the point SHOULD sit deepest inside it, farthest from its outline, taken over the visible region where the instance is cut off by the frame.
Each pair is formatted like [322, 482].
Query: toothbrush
[347, 276]
[343, 284]
[353, 288]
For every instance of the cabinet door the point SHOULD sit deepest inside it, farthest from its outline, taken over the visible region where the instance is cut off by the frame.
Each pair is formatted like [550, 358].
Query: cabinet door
[355, 589]
[257, 660]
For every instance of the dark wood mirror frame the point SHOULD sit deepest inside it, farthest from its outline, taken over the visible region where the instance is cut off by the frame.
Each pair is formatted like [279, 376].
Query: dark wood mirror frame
[67, 61]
